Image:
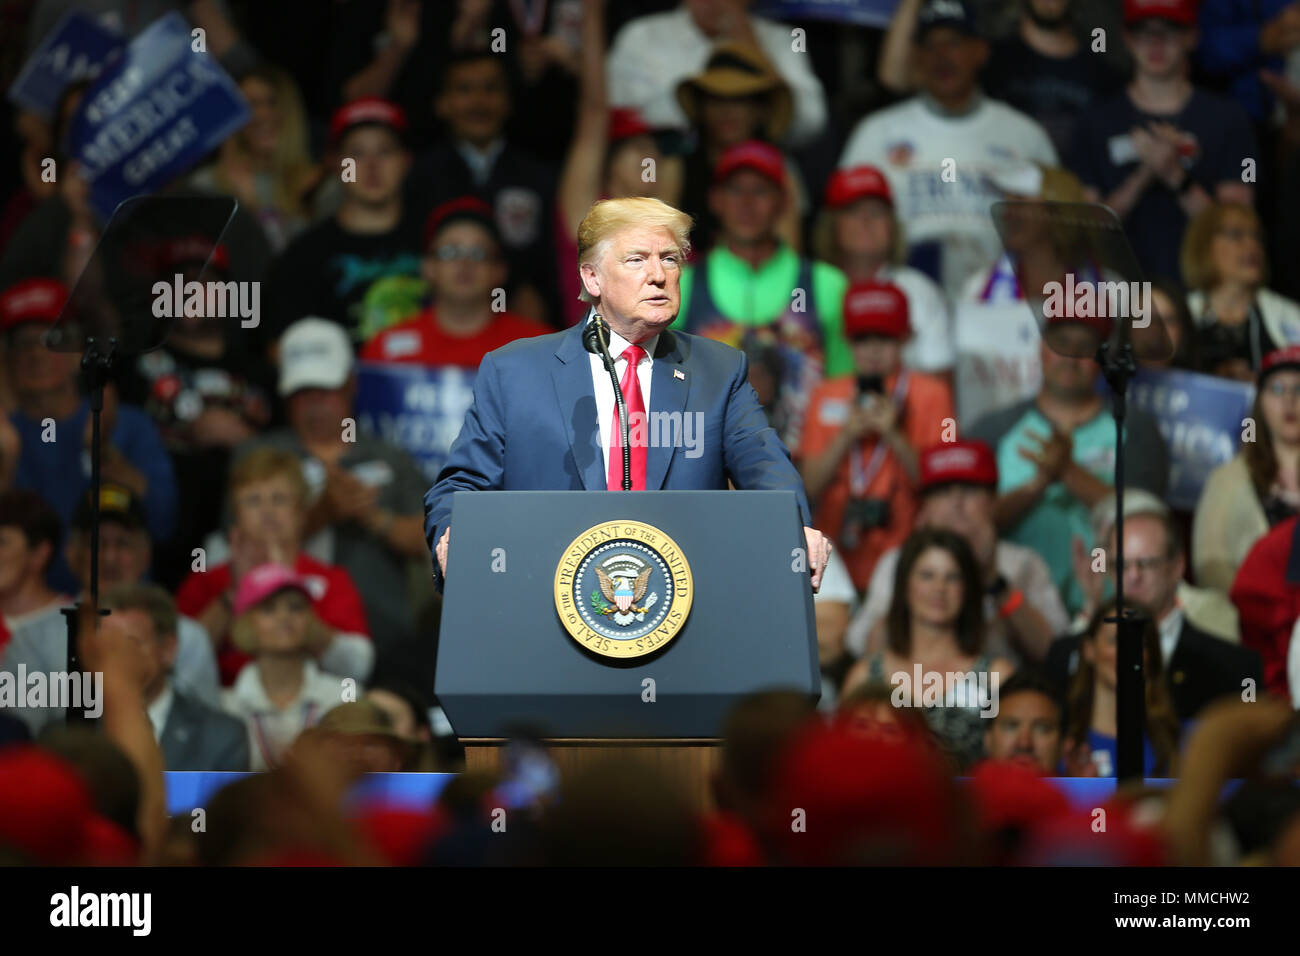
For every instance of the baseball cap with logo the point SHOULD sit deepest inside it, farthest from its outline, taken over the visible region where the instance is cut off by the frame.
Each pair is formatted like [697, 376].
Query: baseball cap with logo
[117, 503]
[954, 14]
[960, 462]
[762, 158]
[32, 300]
[1181, 12]
[265, 580]
[875, 308]
[314, 353]
[861, 182]
[368, 110]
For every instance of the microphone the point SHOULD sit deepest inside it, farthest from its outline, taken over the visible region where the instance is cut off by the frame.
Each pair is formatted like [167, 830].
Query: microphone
[595, 339]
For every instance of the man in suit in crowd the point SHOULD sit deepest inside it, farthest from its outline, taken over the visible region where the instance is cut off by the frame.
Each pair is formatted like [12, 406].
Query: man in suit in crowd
[544, 412]
[191, 734]
[1199, 666]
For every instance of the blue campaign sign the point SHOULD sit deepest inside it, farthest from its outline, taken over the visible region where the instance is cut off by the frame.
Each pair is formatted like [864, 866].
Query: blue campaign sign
[866, 13]
[152, 114]
[76, 49]
[1200, 417]
[419, 409]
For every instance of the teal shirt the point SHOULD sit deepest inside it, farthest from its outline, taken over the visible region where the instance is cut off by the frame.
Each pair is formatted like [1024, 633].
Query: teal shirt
[1051, 526]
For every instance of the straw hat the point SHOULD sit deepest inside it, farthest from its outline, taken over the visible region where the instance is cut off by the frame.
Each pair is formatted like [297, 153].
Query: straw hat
[738, 70]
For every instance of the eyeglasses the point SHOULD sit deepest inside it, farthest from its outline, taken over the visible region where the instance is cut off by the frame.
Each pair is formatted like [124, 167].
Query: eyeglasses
[453, 253]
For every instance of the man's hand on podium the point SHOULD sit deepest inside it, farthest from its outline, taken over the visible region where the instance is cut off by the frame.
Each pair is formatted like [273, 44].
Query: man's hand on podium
[441, 551]
[819, 552]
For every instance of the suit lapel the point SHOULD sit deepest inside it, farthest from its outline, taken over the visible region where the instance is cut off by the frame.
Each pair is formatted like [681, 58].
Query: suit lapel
[668, 393]
[577, 401]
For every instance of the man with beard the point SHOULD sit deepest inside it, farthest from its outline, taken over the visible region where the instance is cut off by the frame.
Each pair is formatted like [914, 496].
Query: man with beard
[1028, 726]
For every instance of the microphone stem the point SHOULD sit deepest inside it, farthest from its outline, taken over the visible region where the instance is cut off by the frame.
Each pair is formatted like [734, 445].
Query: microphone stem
[602, 339]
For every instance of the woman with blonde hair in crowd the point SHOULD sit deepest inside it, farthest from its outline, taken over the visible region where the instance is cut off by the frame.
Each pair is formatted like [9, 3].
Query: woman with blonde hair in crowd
[281, 692]
[1237, 319]
[266, 164]
[858, 232]
[1090, 707]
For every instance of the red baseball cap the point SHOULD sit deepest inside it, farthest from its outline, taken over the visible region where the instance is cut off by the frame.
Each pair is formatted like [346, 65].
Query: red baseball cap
[1288, 357]
[32, 300]
[860, 182]
[966, 462]
[762, 158]
[263, 581]
[862, 795]
[1182, 12]
[626, 122]
[464, 207]
[367, 109]
[875, 308]
[48, 815]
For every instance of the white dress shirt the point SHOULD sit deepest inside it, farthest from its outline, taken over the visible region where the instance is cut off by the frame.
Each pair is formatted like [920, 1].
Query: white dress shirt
[1170, 628]
[272, 729]
[604, 388]
[159, 710]
[480, 161]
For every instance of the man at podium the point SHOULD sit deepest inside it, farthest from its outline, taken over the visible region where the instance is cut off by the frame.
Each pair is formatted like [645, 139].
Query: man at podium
[545, 417]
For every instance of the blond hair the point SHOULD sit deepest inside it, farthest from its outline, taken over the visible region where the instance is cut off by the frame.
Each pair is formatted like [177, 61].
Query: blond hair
[827, 248]
[1196, 257]
[261, 464]
[609, 216]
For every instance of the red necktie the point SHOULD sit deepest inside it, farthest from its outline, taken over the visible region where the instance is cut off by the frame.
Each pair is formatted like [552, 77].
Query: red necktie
[631, 386]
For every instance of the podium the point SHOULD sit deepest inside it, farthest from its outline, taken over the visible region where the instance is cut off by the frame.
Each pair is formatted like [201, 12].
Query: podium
[621, 621]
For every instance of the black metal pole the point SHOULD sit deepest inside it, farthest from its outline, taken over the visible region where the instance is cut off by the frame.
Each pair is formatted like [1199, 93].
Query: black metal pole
[95, 361]
[1130, 692]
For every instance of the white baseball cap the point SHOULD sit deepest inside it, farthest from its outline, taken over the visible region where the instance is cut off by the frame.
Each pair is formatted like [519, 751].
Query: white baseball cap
[314, 353]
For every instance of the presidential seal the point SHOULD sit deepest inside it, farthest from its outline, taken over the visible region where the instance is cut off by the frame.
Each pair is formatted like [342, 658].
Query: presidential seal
[623, 589]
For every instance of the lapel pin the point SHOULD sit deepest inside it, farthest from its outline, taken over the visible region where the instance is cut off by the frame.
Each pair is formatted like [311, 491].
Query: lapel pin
[678, 373]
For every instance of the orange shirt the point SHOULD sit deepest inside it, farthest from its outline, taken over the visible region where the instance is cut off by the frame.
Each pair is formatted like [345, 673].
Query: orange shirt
[927, 402]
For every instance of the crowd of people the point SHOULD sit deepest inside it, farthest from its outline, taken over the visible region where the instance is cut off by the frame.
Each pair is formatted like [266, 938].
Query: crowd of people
[263, 555]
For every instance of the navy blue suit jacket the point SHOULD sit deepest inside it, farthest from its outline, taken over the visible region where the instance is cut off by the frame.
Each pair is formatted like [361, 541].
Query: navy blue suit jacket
[533, 425]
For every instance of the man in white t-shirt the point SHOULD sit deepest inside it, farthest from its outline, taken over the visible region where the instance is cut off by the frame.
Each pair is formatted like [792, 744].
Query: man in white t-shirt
[652, 54]
[939, 148]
